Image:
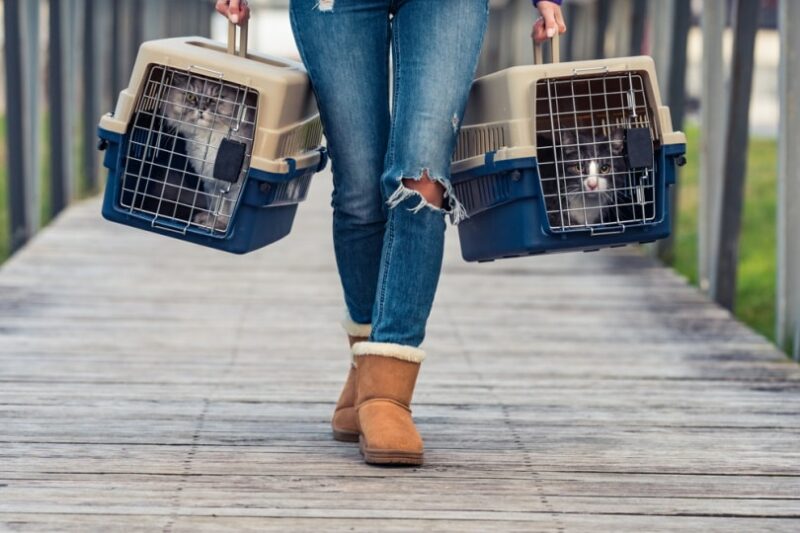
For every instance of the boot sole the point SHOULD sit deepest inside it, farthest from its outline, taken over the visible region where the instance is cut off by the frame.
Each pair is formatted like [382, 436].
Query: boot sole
[345, 436]
[389, 457]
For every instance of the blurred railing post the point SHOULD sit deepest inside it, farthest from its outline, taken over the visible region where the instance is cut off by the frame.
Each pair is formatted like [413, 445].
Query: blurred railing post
[601, 22]
[675, 99]
[91, 93]
[156, 19]
[104, 68]
[735, 160]
[119, 52]
[712, 136]
[585, 30]
[660, 38]
[21, 29]
[638, 26]
[617, 39]
[788, 297]
[32, 121]
[61, 91]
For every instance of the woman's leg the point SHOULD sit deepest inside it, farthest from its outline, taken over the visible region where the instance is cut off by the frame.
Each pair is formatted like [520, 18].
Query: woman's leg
[435, 50]
[345, 47]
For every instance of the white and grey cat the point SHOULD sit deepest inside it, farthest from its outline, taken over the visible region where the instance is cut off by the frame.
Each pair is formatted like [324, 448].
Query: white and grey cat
[594, 172]
[205, 112]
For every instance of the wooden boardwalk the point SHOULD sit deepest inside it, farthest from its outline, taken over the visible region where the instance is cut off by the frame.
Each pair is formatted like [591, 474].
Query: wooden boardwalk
[149, 385]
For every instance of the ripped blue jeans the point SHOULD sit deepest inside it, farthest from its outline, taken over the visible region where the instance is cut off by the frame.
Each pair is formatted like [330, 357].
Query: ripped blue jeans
[388, 239]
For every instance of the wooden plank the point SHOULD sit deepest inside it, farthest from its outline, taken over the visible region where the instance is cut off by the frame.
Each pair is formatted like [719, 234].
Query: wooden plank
[183, 522]
[604, 393]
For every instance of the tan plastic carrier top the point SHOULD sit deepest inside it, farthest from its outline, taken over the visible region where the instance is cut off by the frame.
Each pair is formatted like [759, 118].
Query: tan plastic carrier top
[276, 92]
[199, 117]
[508, 109]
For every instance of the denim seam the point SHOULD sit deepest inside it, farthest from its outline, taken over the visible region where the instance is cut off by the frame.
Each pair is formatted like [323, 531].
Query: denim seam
[386, 262]
[396, 87]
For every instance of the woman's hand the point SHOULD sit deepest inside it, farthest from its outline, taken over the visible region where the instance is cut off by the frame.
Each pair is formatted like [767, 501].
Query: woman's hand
[551, 20]
[237, 11]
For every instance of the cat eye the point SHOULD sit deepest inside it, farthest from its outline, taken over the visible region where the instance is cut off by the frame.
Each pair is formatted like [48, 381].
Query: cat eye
[605, 168]
[191, 98]
[576, 169]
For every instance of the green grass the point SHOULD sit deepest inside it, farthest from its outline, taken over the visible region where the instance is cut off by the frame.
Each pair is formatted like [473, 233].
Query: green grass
[755, 293]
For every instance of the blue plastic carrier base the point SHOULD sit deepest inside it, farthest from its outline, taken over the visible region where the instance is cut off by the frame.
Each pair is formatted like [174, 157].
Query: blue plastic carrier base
[264, 214]
[507, 215]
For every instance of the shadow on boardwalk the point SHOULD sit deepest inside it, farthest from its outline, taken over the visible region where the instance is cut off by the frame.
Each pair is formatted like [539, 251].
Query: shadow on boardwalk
[147, 385]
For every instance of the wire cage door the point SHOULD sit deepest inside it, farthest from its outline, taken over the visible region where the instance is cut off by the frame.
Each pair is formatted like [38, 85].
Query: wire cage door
[595, 146]
[189, 149]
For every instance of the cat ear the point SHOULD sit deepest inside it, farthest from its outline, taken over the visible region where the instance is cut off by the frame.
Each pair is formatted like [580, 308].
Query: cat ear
[566, 137]
[617, 141]
[568, 141]
[178, 81]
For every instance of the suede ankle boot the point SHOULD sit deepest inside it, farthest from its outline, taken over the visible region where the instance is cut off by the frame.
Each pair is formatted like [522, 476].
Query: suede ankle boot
[384, 387]
[344, 423]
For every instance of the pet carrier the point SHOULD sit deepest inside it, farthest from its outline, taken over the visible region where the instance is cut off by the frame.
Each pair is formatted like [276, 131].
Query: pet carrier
[565, 156]
[211, 146]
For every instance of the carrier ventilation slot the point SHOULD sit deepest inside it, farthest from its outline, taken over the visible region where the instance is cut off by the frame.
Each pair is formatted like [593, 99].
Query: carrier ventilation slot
[483, 193]
[477, 140]
[583, 125]
[302, 139]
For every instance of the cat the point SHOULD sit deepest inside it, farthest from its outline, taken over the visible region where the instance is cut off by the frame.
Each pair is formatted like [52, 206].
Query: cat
[204, 112]
[583, 184]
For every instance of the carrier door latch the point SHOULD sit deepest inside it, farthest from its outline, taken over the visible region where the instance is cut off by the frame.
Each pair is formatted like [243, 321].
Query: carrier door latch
[639, 147]
[229, 160]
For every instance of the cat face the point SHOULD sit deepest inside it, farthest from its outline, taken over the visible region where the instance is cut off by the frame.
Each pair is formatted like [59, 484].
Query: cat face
[594, 172]
[194, 103]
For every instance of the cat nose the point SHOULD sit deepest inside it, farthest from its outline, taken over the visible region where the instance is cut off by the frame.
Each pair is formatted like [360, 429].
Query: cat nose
[591, 183]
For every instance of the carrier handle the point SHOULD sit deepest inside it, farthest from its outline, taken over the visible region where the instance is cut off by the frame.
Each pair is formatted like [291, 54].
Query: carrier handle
[242, 39]
[538, 54]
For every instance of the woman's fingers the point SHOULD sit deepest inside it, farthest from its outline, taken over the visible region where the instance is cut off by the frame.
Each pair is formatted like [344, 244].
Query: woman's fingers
[549, 16]
[562, 26]
[550, 23]
[222, 7]
[237, 11]
[233, 11]
[539, 33]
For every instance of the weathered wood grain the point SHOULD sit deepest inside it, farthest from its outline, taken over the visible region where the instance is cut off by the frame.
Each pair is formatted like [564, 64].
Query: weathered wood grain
[146, 384]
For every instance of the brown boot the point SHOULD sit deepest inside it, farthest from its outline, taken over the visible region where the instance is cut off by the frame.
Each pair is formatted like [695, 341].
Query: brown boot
[384, 388]
[345, 423]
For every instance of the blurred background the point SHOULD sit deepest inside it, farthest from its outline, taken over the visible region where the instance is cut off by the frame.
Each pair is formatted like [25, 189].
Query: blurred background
[720, 66]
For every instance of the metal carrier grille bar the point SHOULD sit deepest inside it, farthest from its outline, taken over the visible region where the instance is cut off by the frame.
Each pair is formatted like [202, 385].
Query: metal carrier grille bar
[585, 128]
[179, 123]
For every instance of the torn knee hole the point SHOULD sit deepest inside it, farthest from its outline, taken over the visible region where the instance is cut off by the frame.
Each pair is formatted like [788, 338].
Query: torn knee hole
[432, 191]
